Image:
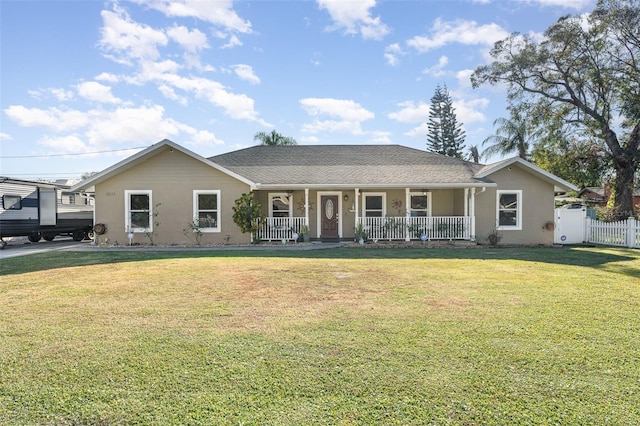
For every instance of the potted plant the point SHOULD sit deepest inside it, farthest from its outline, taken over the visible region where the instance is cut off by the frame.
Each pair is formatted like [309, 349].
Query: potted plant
[304, 233]
[361, 233]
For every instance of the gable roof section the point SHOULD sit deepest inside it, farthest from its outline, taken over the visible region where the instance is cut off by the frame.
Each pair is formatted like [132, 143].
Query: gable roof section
[88, 185]
[348, 166]
[558, 183]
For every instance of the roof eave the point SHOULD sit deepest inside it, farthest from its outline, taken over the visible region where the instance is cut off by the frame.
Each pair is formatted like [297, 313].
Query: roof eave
[280, 186]
[558, 183]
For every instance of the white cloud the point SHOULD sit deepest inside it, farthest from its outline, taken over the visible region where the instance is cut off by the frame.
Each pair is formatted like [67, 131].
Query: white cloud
[107, 77]
[96, 92]
[128, 39]
[234, 41]
[410, 112]
[219, 12]
[238, 106]
[245, 72]
[438, 69]
[464, 78]
[52, 118]
[391, 54]
[380, 137]
[354, 16]
[69, 144]
[99, 128]
[191, 41]
[567, 4]
[349, 115]
[169, 93]
[62, 95]
[419, 132]
[204, 137]
[470, 111]
[459, 31]
[5, 136]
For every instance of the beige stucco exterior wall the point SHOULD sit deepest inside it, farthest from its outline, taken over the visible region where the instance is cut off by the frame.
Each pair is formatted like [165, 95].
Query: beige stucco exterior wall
[172, 176]
[537, 207]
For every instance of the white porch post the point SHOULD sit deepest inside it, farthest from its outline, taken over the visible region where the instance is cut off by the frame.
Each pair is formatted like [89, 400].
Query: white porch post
[466, 201]
[407, 204]
[357, 203]
[306, 207]
[472, 213]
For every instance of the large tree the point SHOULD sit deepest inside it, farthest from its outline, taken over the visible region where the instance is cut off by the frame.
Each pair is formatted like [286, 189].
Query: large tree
[274, 138]
[586, 71]
[445, 133]
[581, 162]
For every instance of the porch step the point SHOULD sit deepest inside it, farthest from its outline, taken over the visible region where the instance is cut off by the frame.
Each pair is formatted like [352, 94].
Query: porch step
[329, 239]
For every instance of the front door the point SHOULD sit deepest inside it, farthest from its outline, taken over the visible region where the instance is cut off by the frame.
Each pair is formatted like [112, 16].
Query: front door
[329, 220]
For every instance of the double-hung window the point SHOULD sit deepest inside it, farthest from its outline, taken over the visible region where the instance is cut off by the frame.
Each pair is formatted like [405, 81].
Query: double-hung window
[206, 210]
[374, 205]
[420, 204]
[138, 211]
[280, 205]
[509, 210]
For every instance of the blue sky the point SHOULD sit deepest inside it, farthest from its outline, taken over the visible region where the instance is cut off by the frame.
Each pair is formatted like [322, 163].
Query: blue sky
[82, 82]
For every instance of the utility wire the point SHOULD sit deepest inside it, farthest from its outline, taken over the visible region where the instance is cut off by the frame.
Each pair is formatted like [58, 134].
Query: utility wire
[65, 155]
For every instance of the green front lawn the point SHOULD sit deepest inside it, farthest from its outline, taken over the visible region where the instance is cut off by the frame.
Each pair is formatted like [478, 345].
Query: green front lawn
[349, 336]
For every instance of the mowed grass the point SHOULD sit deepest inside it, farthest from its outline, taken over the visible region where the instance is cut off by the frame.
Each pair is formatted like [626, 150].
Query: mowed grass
[346, 337]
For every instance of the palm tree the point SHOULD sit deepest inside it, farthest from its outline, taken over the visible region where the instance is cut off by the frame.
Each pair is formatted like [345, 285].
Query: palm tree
[474, 154]
[274, 138]
[513, 135]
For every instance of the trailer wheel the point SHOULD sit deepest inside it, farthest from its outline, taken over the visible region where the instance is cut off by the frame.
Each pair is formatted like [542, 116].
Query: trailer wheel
[34, 237]
[78, 235]
[48, 237]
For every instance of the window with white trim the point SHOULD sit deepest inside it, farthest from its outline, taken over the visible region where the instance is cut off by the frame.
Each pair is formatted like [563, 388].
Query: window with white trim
[509, 210]
[138, 211]
[206, 210]
[374, 204]
[420, 204]
[280, 204]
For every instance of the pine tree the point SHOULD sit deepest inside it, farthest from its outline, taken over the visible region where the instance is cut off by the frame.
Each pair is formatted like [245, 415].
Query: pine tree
[445, 133]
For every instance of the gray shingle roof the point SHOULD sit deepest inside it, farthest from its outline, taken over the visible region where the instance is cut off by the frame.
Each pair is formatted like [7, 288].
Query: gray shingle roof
[348, 165]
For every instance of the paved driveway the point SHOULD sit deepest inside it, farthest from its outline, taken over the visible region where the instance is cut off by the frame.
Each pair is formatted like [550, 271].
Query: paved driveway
[22, 247]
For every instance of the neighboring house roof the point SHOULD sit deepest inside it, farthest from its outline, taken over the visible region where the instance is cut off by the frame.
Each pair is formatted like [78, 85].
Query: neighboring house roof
[601, 192]
[89, 184]
[558, 183]
[593, 192]
[350, 166]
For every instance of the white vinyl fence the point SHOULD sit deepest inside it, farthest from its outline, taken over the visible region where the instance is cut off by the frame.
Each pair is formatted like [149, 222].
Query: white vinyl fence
[624, 233]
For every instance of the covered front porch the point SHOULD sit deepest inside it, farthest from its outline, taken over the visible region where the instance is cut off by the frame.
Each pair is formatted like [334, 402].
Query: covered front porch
[393, 214]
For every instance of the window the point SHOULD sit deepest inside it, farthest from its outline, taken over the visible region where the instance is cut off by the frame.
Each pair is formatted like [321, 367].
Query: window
[374, 205]
[280, 205]
[509, 211]
[12, 202]
[420, 204]
[206, 209]
[138, 211]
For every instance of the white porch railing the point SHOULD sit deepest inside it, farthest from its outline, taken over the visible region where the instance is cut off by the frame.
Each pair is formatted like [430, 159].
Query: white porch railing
[413, 228]
[623, 233]
[280, 228]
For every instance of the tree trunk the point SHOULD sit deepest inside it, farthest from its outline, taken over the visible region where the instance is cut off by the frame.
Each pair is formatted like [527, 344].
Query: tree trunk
[623, 191]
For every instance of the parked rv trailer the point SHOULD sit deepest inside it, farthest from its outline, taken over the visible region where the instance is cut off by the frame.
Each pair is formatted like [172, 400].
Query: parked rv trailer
[42, 210]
